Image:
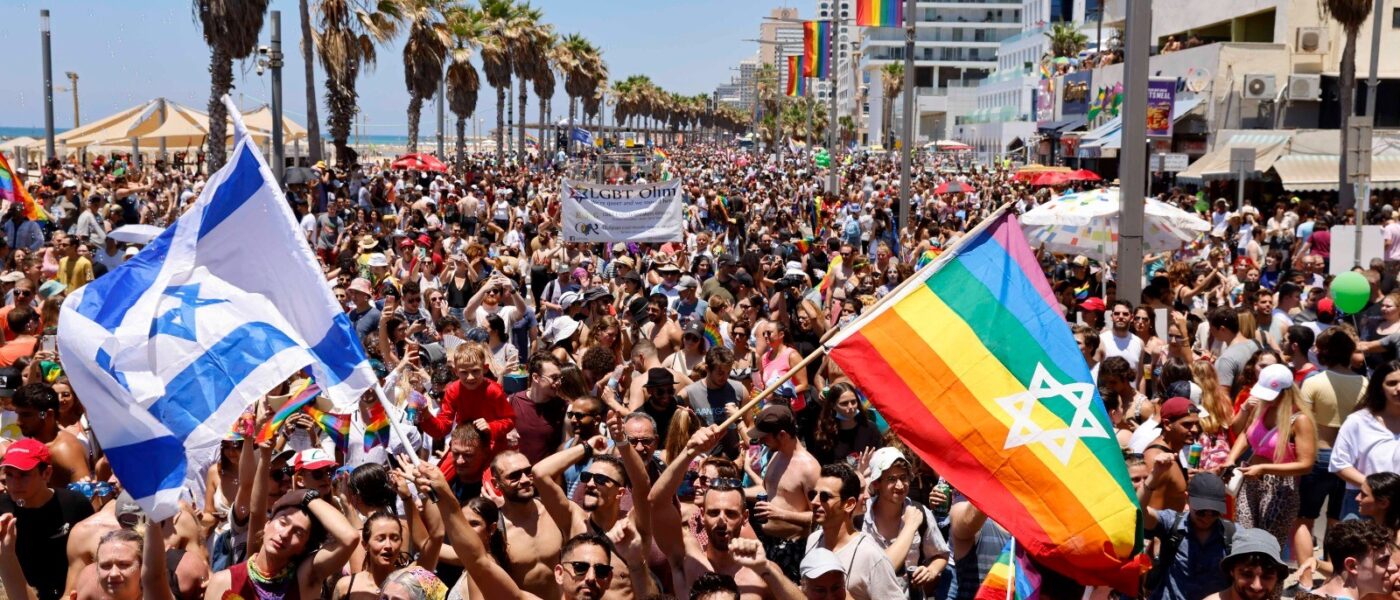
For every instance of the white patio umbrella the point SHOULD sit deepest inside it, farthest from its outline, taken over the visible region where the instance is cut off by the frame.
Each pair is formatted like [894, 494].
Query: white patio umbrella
[136, 234]
[1087, 223]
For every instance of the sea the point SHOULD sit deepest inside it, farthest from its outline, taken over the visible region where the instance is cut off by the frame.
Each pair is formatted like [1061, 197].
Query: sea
[379, 140]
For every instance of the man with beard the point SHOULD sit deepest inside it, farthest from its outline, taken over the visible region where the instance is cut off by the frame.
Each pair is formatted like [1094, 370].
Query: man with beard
[602, 481]
[36, 413]
[784, 519]
[535, 537]
[468, 462]
[722, 516]
[1181, 426]
[870, 575]
[1253, 567]
[660, 328]
[660, 402]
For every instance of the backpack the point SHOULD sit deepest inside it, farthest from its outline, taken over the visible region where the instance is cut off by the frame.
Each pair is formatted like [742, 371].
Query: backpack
[1167, 553]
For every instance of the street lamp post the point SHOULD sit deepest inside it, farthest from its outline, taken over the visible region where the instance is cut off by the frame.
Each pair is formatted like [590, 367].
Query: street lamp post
[274, 61]
[1133, 172]
[905, 152]
[48, 83]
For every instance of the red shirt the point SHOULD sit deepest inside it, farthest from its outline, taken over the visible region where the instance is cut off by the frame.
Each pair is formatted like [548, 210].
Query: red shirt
[464, 406]
[541, 426]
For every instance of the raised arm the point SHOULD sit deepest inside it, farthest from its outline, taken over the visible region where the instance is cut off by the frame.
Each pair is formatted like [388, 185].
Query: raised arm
[546, 473]
[341, 539]
[485, 573]
[155, 581]
[666, 517]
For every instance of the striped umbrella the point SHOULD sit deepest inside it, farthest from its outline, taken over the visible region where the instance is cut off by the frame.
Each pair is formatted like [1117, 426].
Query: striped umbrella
[1087, 223]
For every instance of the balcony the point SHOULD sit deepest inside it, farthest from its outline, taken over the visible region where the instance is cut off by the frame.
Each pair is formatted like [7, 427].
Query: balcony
[984, 37]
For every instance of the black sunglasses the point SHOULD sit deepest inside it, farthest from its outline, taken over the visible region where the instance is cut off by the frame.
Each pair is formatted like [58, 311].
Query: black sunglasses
[517, 474]
[579, 568]
[824, 495]
[587, 476]
[573, 414]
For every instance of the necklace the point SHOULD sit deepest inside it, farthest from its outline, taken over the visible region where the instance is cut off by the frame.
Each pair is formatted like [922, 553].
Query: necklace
[258, 576]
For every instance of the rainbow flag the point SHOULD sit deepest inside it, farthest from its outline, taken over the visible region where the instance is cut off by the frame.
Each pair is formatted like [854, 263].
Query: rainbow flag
[816, 49]
[879, 13]
[337, 426]
[12, 190]
[303, 393]
[1012, 577]
[977, 372]
[824, 288]
[796, 82]
[377, 429]
[927, 257]
[660, 154]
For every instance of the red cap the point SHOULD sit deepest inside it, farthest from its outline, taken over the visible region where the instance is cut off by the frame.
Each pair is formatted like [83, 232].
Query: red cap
[1326, 306]
[26, 454]
[1093, 304]
[311, 459]
[1176, 408]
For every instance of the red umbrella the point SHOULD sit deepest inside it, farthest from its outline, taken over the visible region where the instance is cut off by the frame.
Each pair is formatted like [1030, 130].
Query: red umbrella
[953, 187]
[419, 162]
[1052, 179]
[1085, 175]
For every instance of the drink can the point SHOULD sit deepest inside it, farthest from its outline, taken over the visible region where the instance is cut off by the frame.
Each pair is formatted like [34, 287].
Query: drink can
[761, 497]
[1193, 456]
[944, 506]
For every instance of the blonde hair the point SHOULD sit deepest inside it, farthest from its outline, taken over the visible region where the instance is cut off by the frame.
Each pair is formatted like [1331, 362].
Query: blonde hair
[471, 354]
[1249, 328]
[1219, 412]
[1287, 402]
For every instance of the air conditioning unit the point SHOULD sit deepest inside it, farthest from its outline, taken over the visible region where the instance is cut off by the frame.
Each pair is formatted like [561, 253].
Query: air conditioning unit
[1311, 40]
[1304, 88]
[1258, 87]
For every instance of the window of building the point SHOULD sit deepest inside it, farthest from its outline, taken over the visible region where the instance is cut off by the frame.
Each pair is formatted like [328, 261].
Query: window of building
[1395, 19]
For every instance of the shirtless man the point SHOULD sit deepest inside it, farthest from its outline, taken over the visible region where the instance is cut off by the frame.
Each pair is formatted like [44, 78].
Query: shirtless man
[663, 331]
[722, 515]
[535, 537]
[786, 517]
[644, 359]
[603, 480]
[1180, 425]
[36, 413]
[181, 534]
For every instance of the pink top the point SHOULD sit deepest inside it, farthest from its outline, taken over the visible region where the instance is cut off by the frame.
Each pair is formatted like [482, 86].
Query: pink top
[1264, 441]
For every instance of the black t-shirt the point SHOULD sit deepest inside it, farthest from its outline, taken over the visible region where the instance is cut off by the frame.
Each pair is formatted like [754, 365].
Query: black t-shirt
[663, 420]
[42, 544]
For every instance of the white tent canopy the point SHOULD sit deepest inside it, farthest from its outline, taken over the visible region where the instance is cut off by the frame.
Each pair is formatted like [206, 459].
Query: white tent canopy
[176, 125]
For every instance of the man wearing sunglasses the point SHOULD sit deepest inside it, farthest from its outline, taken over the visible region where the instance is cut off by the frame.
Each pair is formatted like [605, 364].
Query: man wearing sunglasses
[834, 500]
[312, 470]
[1121, 341]
[535, 538]
[602, 482]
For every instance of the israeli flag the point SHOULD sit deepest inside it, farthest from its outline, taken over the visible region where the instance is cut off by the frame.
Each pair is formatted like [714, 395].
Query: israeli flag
[168, 349]
[582, 136]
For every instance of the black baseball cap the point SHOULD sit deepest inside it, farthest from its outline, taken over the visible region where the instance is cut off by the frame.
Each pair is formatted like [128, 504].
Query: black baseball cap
[1206, 492]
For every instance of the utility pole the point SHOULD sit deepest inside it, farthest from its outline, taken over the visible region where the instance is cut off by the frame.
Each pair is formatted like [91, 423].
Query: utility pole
[1133, 173]
[73, 81]
[832, 122]
[906, 152]
[48, 84]
[442, 116]
[274, 61]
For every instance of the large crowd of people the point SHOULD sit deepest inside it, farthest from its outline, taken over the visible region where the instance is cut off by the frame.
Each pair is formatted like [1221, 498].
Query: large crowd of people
[567, 406]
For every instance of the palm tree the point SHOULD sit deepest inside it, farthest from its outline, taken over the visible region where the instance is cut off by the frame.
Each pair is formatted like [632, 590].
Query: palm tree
[313, 120]
[503, 23]
[463, 81]
[1351, 14]
[429, 40]
[231, 29]
[848, 129]
[544, 88]
[1066, 39]
[528, 60]
[892, 83]
[349, 31]
[571, 55]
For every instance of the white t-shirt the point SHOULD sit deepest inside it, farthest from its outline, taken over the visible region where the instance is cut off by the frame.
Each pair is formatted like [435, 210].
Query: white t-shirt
[869, 574]
[506, 312]
[1130, 348]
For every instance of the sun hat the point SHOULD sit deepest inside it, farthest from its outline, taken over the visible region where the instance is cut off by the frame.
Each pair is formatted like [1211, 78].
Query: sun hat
[1250, 541]
[362, 285]
[820, 561]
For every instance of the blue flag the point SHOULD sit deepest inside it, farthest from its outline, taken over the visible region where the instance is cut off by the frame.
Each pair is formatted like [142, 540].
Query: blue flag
[168, 349]
[582, 136]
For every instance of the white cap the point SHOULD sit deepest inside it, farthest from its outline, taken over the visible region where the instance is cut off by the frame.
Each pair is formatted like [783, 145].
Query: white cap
[568, 299]
[820, 561]
[132, 251]
[377, 260]
[1273, 379]
[883, 459]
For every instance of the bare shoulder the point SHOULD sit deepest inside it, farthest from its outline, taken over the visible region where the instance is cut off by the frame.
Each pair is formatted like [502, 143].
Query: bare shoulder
[218, 584]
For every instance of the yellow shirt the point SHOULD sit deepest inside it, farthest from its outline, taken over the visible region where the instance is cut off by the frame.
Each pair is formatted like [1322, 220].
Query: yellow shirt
[1331, 397]
[74, 274]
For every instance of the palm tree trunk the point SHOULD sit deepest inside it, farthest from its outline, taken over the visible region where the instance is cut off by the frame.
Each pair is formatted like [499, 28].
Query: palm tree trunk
[544, 106]
[1346, 194]
[415, 112]
[313, 121]
[524, 97]
[220, 82]
[500, 125]
[461, 144]
[570, 133]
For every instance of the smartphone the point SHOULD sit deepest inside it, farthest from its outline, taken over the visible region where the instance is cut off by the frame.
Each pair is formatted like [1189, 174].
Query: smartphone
[49, 343]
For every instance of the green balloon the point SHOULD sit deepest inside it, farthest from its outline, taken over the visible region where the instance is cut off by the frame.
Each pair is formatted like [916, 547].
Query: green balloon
[1350, 291]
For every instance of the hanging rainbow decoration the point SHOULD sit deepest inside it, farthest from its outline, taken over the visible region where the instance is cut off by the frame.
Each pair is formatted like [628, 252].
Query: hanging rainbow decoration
[816, 49]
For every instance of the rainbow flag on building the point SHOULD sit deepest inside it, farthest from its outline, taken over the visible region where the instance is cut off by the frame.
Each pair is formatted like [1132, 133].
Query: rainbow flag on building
[879, 13]
[796, 82]
[1012, 577]
[816, 49]
[12, 190]
[977, 372]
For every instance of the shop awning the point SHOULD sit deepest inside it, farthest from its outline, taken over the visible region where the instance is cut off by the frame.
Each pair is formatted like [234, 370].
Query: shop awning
[1318, 172]
[1268, 147]
[1063, 125]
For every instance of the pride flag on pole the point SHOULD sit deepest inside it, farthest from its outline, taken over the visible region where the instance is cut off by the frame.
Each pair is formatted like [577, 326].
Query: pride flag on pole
[303, 393]
[816, 49]
[976, 371]
[12, 190]
[1012, 577]
[879, 13]
[796, 82]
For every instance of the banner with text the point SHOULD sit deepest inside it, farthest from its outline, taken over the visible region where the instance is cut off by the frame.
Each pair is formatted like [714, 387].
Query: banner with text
[1161, 96]
[622, 213]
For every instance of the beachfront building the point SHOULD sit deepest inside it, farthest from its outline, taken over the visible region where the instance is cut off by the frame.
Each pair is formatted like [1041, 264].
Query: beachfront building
[845, 63]
[955, 46]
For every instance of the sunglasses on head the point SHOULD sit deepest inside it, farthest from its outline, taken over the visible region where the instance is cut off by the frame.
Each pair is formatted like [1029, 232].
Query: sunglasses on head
[579, 568]
[588, 476]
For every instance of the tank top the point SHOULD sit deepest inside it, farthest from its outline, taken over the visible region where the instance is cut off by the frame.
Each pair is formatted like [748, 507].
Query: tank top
[1265, 441]
[969, 570]
[243, 586]
[774, 369]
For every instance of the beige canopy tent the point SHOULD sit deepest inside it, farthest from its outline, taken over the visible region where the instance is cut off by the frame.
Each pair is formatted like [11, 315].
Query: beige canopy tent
[260, 120]
[163, 121]
[20, 142]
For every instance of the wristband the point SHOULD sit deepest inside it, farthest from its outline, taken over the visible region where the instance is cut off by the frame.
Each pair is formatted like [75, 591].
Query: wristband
[310, 495]
[587, 452]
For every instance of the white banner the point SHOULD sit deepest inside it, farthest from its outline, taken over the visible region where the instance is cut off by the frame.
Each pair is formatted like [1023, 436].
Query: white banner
[623, 213]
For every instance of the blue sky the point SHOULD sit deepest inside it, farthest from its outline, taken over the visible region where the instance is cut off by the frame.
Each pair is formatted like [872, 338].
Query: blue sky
[130, 51]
